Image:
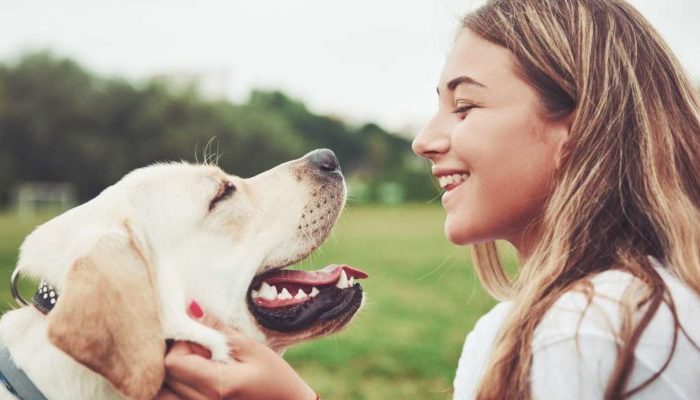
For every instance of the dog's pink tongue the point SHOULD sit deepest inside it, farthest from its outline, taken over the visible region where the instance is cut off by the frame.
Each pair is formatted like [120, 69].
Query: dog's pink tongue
[325, 276]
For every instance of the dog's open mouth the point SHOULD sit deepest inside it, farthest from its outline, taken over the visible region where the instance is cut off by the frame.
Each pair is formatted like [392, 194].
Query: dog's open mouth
[293, 300]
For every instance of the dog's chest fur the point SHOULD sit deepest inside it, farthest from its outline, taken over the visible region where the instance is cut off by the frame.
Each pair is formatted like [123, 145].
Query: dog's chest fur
[57, 375]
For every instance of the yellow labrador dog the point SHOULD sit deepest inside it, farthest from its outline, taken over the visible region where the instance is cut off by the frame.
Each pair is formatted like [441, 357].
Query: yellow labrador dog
[123, 267]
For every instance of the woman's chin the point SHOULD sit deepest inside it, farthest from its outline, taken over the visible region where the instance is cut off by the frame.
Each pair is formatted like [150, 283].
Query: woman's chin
[458, 233]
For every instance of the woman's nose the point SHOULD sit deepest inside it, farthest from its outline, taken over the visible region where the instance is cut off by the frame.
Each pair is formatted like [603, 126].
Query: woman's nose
[432, 141]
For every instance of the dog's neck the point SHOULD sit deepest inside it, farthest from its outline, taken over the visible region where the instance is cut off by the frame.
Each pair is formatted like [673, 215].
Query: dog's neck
[23, 332]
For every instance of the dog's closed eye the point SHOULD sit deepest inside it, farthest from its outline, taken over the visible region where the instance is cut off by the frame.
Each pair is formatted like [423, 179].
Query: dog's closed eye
[226, 190]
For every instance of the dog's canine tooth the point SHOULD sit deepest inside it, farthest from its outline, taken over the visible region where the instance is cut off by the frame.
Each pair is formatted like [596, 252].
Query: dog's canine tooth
[314, 292]
[351, 281]
[267, 292]
[343, 281]
[284, 295]
[254, 294]
[301, 295]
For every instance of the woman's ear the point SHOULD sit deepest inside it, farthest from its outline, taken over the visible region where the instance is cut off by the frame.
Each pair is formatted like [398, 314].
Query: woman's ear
[562, 130]
[107, 316]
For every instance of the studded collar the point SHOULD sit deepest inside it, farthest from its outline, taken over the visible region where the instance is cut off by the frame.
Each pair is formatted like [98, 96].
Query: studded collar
[45, 298]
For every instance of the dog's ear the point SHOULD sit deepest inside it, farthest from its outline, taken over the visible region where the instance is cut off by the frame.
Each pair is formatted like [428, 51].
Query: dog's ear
[107, 316]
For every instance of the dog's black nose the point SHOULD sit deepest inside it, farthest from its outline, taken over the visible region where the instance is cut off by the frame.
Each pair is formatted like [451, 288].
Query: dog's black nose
[324, 160]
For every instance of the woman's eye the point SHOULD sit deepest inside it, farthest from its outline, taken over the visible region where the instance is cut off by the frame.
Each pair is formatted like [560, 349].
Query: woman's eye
[462, 109]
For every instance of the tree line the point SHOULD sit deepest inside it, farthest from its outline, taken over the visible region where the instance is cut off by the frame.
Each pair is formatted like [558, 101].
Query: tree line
[60, 122]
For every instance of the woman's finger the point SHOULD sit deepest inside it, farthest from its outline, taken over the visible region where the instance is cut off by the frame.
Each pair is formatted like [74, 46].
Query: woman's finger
[238, 342]
[199, 373]
[182, 391]
[183, 348]
[166, 394]
[197, 313]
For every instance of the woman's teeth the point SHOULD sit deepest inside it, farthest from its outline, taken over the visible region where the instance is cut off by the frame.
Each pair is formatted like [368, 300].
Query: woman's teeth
[454, 179]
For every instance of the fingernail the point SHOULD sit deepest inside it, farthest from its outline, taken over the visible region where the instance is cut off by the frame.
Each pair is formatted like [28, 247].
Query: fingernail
[196, 310]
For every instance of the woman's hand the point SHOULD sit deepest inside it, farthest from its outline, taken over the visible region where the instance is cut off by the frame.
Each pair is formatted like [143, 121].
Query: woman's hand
[256, 372]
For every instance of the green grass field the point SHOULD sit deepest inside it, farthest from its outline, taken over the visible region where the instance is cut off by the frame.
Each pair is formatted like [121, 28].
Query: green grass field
[422, 299]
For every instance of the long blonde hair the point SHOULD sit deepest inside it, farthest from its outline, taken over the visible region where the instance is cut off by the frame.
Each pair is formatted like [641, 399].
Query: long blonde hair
[628, 184]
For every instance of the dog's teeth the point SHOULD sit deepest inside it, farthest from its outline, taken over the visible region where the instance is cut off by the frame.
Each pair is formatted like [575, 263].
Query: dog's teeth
[267, 292]
[284, 295]
[254, 294]
[314, 292]
[351, 281]
[301, 295]
[343, 281]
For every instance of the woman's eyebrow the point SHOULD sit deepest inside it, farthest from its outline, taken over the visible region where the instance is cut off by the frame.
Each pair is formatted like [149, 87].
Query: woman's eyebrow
[461, 80]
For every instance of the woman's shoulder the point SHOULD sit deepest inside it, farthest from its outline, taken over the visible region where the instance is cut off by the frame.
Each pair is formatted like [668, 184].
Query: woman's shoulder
[481, 338]
[476, 350]
[599, 307]
[591, 307]
[575, 345]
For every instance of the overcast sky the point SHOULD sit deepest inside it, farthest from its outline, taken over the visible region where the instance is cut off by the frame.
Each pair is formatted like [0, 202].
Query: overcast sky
[363, 60]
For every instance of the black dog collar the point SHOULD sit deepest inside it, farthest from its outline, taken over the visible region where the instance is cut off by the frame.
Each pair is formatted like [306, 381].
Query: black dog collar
[45, 298]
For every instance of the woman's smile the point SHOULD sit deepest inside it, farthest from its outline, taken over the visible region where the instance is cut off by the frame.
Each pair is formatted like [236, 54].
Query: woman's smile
[449, 180]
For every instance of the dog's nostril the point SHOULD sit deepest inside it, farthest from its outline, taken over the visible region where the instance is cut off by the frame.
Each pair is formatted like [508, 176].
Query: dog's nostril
[324, 160]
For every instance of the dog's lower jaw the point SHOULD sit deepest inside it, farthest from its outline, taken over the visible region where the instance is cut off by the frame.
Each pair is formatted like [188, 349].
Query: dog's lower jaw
[279, 342]
[54, 373]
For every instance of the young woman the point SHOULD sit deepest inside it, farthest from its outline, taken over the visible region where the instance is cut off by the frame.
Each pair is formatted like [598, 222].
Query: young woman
[567, 128]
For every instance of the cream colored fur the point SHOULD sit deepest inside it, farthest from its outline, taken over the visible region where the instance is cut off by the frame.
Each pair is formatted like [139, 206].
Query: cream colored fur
[132, 259]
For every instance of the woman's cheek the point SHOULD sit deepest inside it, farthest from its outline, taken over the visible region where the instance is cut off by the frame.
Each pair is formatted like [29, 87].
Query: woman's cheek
[489, 204]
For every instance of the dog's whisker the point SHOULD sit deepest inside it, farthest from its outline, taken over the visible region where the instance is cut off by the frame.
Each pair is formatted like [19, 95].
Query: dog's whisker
[196, 156]
[207, 153]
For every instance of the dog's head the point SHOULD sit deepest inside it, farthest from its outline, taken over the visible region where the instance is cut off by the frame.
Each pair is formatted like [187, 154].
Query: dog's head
[206, 236]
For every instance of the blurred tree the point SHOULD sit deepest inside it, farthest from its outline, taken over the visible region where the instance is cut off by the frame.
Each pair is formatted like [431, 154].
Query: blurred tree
[59, 122]
[316, 131]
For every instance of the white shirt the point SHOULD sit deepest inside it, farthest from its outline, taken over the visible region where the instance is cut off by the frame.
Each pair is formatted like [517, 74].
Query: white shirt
[574, 346]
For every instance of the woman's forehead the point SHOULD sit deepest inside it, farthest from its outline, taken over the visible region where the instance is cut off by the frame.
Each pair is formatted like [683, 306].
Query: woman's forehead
[483, 63]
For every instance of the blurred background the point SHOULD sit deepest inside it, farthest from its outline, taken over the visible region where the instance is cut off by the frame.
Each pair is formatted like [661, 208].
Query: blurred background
[90, 90]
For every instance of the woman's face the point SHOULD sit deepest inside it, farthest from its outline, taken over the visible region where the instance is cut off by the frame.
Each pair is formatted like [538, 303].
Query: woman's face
[491, 148]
